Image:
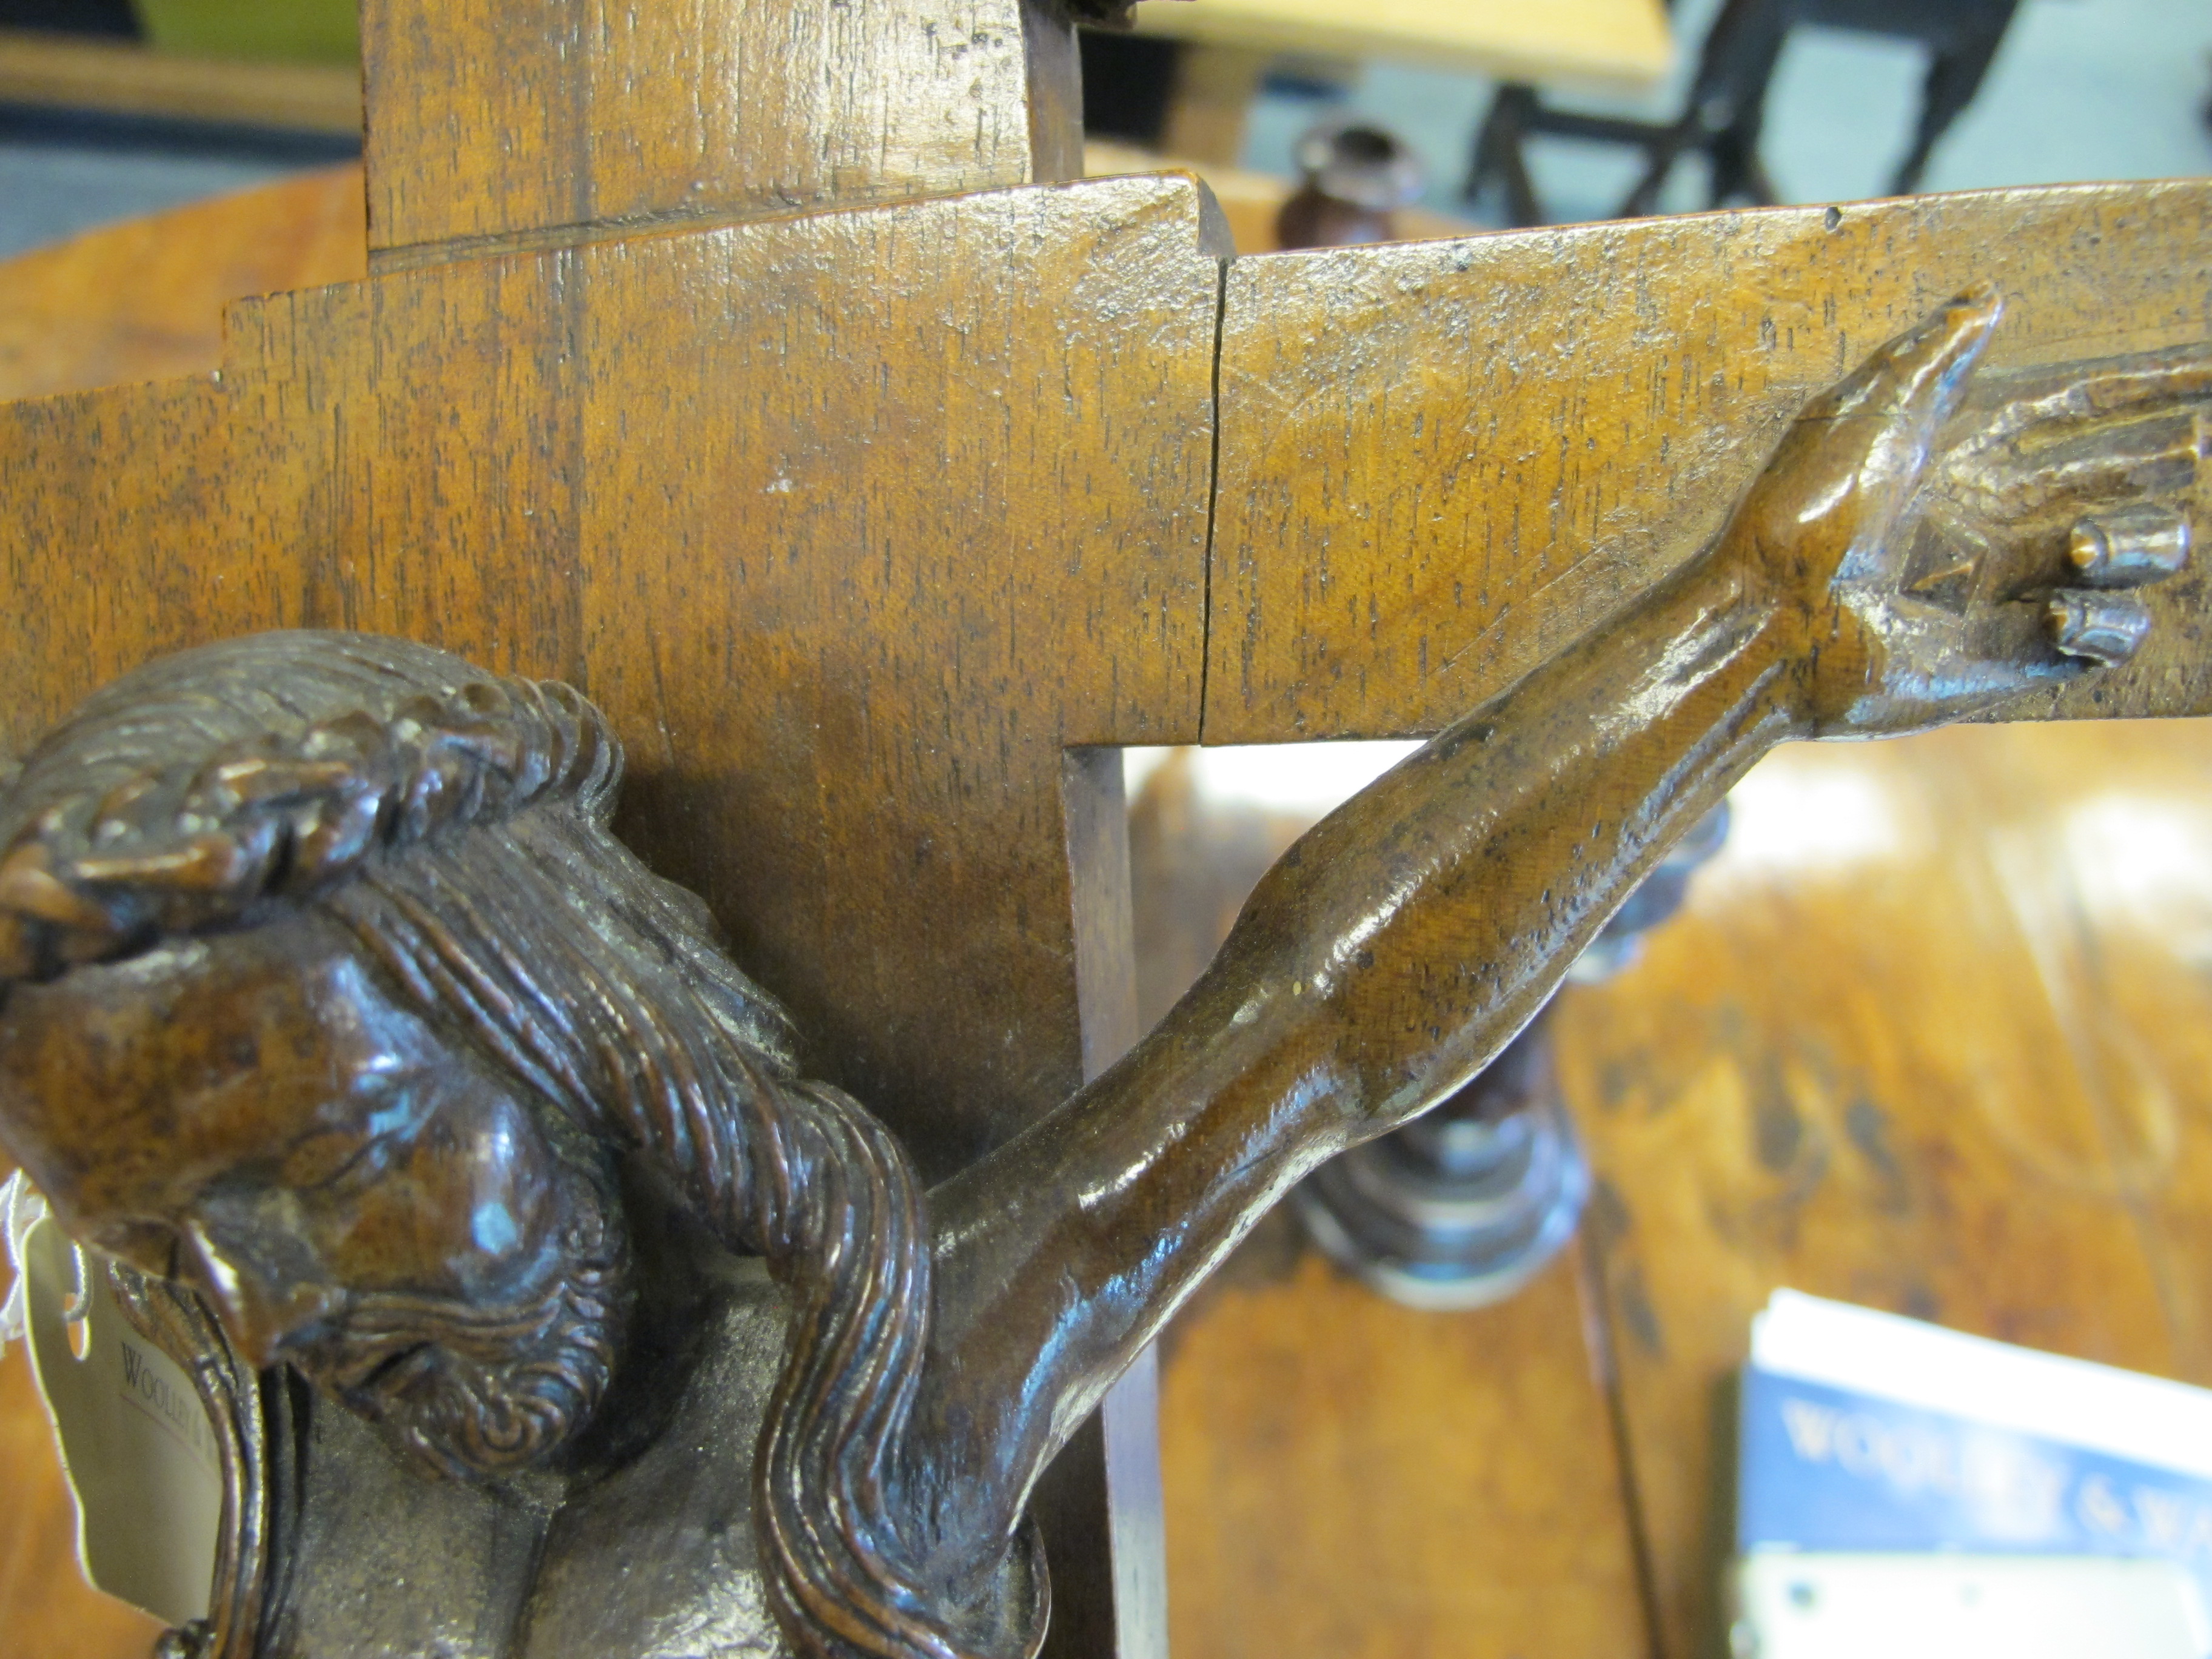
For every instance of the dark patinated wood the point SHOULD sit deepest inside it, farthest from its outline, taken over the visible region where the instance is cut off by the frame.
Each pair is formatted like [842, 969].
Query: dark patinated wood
[1434, 473]
[573, 433]
[331, 928]
[848, 649]
[1398, 947]
[489, 133]
[847, 653]
[1339, 1470]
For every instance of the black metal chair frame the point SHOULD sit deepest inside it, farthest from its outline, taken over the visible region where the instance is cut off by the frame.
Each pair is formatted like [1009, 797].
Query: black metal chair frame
[1728, 99]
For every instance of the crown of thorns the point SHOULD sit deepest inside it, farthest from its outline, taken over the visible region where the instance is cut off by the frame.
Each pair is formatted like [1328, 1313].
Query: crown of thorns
[174, 849]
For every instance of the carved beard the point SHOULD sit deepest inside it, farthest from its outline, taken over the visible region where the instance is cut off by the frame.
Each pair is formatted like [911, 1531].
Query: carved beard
[471, 1391]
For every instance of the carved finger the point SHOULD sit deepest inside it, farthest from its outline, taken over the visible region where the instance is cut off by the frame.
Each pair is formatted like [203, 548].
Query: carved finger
[1921, 373]
[2099, 391]
[2101, 627]
[2154, 453]
[2129, 547]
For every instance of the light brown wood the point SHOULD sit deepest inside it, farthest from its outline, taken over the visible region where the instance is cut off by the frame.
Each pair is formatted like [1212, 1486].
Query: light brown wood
[60, 70]
[142, 300]
[1442, 463]
[1931, 1036]
[490, 125]
[1349, 1477]
[632, 488]
[1250, 200]
[1615, 42]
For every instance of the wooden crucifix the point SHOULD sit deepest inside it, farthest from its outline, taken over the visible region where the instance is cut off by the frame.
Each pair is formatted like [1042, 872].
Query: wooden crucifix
[760, 371]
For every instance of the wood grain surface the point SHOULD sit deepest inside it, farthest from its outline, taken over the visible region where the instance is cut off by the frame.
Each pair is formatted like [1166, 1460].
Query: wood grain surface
[648, 465]
[1345, 1476]
[1932, 1036]
[490, 123]
[789, 522]
[1438, 469]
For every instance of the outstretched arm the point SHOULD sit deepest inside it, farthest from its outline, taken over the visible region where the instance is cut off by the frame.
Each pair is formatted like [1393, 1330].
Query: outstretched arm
[1406, 939]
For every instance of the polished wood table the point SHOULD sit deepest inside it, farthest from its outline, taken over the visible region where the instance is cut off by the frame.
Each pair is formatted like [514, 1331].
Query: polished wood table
[1934, 1033]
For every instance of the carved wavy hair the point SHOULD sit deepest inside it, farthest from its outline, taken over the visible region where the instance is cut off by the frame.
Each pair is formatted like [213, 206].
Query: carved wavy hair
[457, 823]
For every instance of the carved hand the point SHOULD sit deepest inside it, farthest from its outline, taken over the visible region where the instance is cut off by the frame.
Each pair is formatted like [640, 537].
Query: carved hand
[1935, 548]
[1897, 563]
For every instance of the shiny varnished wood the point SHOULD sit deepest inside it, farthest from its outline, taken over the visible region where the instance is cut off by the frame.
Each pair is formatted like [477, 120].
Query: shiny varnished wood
[1403, 942]
[1434, 473]
[1408, 1483]
[535, 515]
[242, 885]
[319, 420]
[1342, 1472]
[225, 250]
[694, 544]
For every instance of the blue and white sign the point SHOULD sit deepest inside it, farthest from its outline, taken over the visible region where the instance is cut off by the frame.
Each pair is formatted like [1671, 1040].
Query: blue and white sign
[1863, 1431]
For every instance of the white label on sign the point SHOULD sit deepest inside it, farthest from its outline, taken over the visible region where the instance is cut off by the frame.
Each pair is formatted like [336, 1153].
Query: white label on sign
[135, 1440]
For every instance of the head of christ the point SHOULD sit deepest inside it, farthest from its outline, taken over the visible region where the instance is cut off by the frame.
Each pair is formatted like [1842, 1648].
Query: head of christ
[325, 989]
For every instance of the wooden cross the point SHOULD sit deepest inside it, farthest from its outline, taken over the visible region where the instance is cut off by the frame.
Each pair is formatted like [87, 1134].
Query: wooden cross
[748, 365]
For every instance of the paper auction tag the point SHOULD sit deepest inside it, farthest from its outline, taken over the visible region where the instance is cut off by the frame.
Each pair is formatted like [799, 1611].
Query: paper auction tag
[135, 1441]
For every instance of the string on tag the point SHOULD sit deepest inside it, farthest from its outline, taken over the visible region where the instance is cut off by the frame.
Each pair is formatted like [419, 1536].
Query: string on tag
[22, 1206]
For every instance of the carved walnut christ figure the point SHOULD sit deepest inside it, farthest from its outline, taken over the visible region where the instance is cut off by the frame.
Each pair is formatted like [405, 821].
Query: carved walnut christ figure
[330, 997]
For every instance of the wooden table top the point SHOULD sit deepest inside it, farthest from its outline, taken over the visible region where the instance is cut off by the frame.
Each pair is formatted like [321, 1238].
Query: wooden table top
[1933, 1035]
[1624, 43]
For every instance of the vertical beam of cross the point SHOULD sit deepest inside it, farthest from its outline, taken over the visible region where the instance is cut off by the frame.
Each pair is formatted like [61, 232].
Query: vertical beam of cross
[512, 125]
[536, 123]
